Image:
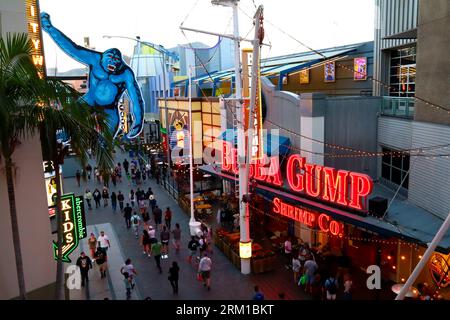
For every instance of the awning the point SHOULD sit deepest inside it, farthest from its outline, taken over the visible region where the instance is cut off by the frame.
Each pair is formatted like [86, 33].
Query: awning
[273, 144]
[408, 34]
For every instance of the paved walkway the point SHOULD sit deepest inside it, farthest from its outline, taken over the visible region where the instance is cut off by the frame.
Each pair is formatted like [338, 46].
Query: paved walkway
[227, 281]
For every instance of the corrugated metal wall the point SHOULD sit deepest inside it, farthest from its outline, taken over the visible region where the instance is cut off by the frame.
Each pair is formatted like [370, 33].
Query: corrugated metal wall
[391, 17]
[429, 182]
[395, 133]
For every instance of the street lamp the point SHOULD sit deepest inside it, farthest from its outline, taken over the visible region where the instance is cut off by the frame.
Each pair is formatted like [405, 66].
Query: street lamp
[164, 53]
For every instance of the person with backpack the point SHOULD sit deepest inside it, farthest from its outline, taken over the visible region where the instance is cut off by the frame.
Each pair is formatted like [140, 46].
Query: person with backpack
[121, 199]
[331, 286]
[135, 221]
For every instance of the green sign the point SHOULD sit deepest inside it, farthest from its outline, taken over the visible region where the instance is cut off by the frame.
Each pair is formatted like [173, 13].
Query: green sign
[73, 224]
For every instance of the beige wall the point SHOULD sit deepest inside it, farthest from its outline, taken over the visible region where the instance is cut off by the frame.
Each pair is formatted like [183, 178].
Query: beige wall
[34, 225]
[433, 61]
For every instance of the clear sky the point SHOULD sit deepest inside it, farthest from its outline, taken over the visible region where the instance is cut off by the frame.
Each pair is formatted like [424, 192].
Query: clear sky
[317, 23]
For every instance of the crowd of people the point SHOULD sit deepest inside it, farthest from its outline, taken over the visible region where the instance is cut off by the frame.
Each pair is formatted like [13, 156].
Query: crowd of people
[150, 225]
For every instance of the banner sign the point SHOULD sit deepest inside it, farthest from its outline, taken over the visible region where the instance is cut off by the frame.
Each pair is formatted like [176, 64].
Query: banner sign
[73, 224]
[34, 32]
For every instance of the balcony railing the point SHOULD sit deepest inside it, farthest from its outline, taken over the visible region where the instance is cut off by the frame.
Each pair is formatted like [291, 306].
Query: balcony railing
[398, 106]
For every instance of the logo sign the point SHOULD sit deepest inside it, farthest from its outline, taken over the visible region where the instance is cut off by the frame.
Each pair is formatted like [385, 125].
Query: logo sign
[439, 269]
[340, 187]
[73, 223]
[34, 32]
[309, 218]
[123, 118]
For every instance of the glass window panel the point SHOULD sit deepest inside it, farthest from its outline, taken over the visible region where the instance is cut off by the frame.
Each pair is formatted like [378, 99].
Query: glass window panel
[206, 118]
[405, 162]
[386, 171]
[206, 107]
[386, 157]
[396, 176]
[406, 183]
[397, 162]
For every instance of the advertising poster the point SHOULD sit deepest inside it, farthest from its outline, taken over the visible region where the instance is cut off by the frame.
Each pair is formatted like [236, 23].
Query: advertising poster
[360, 68]
[304, 76]
[329, 69]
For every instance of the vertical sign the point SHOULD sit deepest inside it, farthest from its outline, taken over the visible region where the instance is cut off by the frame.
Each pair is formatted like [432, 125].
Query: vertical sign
[35, 35]
[73, 224]
[360, 68]
[257, 141]
[123, 119]
[329, 70]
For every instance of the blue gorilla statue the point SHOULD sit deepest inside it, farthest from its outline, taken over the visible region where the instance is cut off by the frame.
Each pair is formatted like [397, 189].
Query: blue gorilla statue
[109, 77]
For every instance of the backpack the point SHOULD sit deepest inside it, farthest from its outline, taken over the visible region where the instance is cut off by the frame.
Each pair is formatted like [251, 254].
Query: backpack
[135, 220]
[332, 289]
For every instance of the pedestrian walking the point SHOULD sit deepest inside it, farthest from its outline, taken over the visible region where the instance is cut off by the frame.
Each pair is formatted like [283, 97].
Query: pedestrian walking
[331, 286]
[114, 201]
[192, 246]
[165, 238]
[127, 215]
[84, 176]
[88, 198]
[121, 199]
[78, 177]
[168, 218]
[89, 171]
[152, 201]
[100, 259]
[105, 196]
[103, 242]
[204, 269]
[310, 269]
[157, 216]
[174, 271]
[97, 197]
[129, 268]
[296, 266]
[156, 252]
[114, 178]
[145, 217]
[258, 295]
[97, 174]
[348, 287]
[125, 165]
[146, 243]
[135, 222]
[152, 234]
[92, 242]
[176, 237]
[127, 283]
[85, 264]
[132, 197]
[288, 252]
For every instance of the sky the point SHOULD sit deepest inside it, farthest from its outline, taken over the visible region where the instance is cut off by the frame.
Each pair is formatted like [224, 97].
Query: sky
[316, 23]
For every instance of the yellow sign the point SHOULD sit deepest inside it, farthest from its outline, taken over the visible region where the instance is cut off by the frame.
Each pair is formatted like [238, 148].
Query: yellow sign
[35, 35]
[245, 250]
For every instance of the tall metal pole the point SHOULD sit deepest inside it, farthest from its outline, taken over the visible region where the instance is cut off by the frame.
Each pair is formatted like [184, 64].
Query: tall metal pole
[243, 181]
[167, 115]
[425, 258]
[194, 226]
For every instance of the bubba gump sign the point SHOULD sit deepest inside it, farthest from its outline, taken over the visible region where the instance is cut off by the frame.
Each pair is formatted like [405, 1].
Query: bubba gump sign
[339, 187]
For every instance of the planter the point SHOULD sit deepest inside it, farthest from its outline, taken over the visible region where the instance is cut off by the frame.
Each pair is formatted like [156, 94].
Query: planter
[218, 242]
[261, 265]
[227, 250]
[236, 259]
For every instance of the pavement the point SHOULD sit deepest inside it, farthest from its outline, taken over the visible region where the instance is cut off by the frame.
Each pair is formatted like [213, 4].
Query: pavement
[226, 280]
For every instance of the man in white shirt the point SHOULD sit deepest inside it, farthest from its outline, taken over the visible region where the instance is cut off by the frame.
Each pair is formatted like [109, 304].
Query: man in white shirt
[103, 242]
[288, 253]
[204, 269]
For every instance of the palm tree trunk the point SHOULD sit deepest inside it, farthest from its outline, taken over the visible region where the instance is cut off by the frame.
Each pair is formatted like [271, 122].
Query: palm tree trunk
[15, 228]
[59, 290]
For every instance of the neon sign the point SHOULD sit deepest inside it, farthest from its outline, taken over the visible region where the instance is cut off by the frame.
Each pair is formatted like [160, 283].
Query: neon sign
[339, 187]
[74, 225]
[34, 32]
[309, 218]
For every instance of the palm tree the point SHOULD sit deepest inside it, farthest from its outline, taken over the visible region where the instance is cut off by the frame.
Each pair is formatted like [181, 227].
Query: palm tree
[29, 104]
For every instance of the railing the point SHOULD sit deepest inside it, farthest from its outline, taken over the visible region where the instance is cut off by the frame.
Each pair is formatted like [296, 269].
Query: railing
[398, 106]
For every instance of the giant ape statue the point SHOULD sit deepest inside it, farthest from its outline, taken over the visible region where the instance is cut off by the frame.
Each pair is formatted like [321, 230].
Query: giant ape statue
[109, 77]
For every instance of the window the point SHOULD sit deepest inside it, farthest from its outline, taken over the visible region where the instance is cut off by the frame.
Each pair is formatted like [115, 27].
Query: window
[402, 73]
[395, 168]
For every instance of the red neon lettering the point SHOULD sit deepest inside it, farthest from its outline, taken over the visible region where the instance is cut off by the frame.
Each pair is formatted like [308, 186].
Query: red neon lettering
[274, 174]
[335, 183]
[322, 225]
[291, 212]
[226, 159]
[313, 173]
[362, 186]
[298, 183]
[259, 170]
[276, 205]
[234, 164]
[334, 227]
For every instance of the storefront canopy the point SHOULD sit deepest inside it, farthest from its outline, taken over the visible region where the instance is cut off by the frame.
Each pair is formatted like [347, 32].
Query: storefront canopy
[273, 144]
